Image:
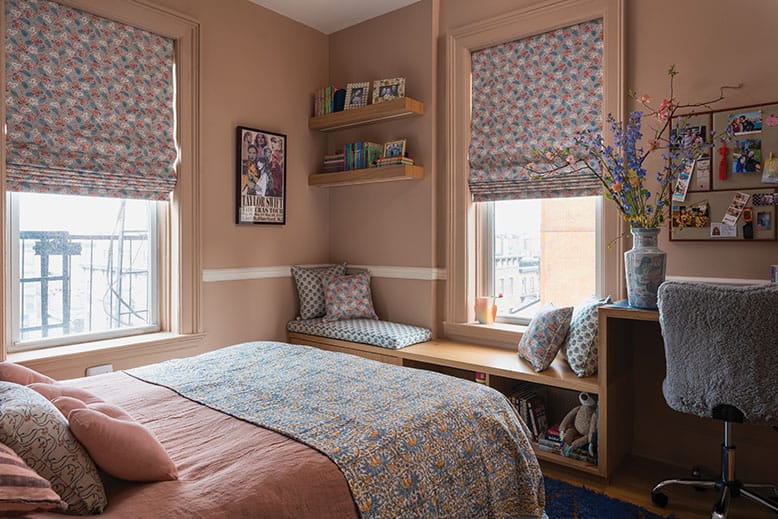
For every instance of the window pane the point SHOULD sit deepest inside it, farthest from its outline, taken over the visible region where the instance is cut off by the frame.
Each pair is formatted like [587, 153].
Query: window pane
[86, 264]
[545, 251]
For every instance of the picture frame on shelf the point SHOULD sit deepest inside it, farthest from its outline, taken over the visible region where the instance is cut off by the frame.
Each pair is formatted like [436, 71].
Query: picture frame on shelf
[387, 89]
[394, 148]
[260, 177]
[356, 95]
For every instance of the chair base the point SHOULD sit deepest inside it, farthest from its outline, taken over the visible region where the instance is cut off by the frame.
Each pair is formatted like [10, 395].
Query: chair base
[725, 483]
[726, 490]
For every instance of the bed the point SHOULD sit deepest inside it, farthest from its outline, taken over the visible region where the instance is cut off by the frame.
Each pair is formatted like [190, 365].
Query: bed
[271, 429]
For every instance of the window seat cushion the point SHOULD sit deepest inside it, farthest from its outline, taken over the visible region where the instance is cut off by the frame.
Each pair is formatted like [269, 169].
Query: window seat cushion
[385, 334]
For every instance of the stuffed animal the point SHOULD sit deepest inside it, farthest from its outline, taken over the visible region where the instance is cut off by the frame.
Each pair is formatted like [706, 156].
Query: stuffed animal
[580, 424]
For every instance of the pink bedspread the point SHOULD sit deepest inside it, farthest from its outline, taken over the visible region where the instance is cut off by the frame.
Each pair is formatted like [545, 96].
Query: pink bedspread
[227, 468]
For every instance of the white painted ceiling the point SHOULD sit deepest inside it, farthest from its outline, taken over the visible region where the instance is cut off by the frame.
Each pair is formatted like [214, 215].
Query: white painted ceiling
[330, 16]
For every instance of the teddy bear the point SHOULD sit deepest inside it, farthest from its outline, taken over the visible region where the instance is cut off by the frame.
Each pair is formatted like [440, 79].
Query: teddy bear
[580, 424]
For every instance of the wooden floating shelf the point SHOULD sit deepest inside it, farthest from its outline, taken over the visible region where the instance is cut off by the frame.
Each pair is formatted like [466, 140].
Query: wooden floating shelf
[366, 176]
[394, 109]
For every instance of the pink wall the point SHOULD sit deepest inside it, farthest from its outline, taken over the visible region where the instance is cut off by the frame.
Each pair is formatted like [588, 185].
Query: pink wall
[393, 223]
[258, 70]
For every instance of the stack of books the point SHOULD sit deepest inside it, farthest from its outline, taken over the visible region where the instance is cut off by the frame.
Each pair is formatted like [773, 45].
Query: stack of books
[531, 406]
[551, 441]
[393, 161]
[327, 100]
[334, 162]
[361, 155]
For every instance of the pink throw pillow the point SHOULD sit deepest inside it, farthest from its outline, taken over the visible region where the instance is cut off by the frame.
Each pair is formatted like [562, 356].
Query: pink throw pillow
[22, 375]
[52, 391]
[348, 297]
[123, 449]
[66, 404]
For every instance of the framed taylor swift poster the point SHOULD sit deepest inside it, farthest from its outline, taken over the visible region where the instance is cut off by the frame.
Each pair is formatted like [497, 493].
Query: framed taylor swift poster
[261, 177]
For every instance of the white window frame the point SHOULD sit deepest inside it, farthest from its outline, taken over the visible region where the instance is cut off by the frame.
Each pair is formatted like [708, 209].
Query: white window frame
[15, 343]
[485, 235]
[464, 251]
[180, 308]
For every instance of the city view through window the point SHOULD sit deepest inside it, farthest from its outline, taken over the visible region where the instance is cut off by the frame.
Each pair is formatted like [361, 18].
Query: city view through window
[85, 265]
[544, 251]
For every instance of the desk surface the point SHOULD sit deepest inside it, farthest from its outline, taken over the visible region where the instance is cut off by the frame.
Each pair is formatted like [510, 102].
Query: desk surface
[622, 310]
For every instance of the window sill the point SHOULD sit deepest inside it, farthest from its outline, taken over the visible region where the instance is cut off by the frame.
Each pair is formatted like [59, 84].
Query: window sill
[497, 334]
[71, 361]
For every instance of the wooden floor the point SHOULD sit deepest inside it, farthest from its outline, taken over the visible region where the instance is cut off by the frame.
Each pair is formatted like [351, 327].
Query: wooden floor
[633, 484]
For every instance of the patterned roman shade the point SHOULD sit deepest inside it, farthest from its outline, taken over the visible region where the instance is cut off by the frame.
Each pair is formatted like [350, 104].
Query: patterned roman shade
[90, 104]
[527, 94]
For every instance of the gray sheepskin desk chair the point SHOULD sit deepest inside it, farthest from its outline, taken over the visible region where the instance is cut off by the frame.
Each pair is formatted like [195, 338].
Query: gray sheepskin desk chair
[721, 347]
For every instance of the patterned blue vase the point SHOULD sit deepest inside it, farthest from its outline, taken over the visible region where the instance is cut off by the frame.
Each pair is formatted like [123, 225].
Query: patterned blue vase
[644, 265]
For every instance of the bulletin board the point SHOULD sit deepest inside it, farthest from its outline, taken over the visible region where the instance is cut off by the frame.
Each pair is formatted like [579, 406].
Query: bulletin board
[729, 193]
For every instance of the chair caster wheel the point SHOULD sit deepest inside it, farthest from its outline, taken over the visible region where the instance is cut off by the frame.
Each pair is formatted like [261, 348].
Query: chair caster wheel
[659, 499]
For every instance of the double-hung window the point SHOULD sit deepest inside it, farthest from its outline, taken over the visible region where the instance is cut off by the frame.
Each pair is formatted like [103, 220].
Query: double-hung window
[538, 237]
[91, 162]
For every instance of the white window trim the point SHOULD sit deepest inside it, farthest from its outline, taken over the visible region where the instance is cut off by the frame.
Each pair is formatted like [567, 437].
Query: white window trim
[180, 314]
[463, 252]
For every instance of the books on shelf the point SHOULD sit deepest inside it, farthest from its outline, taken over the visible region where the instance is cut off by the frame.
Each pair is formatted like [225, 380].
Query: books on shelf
[334, 162]
[531, 406]
[328, 99]
[361, 155]
[393, 161]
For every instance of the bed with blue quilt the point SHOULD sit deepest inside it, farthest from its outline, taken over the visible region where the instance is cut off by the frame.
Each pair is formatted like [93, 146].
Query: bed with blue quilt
[250, 425]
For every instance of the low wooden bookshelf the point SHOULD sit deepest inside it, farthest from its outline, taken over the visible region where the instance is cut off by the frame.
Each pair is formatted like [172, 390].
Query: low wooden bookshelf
[366, 176]
[394, 109]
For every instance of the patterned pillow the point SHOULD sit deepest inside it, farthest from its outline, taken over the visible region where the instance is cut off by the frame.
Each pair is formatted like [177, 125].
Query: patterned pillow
[581, 347]
[39, 434]
[348, 297]
[310, 290]
[21, 489]
[545, 335]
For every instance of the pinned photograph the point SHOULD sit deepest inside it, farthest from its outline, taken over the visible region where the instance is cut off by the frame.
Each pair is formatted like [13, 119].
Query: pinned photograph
[682, 184]
[387, 89]
[742, 123]
[720, 230]
[688, 136]
[747, 156]
[764, 221]
[735, 208]
[356, 95]
[696, 215]
[702, 174]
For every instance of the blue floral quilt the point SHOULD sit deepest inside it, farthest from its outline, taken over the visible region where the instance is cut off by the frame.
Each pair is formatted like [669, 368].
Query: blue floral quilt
[410, 443]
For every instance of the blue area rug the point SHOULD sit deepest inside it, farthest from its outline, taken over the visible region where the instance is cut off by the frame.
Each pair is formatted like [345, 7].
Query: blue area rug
[565, 501]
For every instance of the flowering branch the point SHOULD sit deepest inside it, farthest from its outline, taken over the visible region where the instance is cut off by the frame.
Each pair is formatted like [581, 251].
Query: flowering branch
[619, 167]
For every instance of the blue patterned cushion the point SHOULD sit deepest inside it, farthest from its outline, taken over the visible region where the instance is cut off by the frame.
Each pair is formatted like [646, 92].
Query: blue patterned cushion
[310, 289]
[366, 331]
[348, 297]
[580, 347]
[545, 335]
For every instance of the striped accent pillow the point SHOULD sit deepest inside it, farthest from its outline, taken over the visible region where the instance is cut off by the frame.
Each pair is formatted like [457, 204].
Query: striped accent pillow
[22, 489]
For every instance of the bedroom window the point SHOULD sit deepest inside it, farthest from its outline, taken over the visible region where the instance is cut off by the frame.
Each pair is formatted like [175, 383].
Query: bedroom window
[91, 162]
[82, 268]
[549, 245]
[516, 83]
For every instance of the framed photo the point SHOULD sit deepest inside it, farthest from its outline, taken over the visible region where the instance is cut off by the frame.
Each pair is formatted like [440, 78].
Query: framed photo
[356, 95]
[261, 177]
[394, 149]
[386, 89]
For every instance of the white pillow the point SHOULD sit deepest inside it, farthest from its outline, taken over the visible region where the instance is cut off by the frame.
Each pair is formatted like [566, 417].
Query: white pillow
[581, 348]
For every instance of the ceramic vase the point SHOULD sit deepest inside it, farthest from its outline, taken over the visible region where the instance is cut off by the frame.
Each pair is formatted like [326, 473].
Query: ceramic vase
[644, 266]
[485, 310]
